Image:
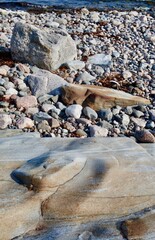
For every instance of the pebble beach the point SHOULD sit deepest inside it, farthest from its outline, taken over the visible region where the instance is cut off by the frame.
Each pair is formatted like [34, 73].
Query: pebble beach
[115, 49]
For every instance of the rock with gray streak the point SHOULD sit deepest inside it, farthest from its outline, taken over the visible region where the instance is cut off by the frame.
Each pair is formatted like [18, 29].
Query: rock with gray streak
[44, 82]
[47, 49]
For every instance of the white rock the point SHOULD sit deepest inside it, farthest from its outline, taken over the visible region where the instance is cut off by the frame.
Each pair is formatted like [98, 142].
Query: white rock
[11, 91]
[24, 122]
[127, 74]
[75, 65]
[4, 70]
[100, 59]
[96, 131]
[5, 120]
[74, 111]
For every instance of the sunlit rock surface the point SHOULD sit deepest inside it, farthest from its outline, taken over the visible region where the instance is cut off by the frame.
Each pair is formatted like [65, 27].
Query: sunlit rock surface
[94, 188]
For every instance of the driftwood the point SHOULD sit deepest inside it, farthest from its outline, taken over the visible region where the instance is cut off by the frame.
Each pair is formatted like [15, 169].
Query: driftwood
[99, 97]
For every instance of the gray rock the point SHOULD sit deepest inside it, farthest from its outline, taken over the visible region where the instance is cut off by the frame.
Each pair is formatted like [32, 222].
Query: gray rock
[105, 114]
[45, 82]
[75, 65]
[47, 49]
[90, 113]
[106, 124]
[128, 110]
[38, 117]
[60, 105]
[137, 113]
[152, 114]
[100, 59]
[85, 77]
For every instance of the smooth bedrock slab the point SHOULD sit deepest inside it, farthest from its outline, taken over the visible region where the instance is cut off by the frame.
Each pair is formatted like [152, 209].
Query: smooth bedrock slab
[67, 183]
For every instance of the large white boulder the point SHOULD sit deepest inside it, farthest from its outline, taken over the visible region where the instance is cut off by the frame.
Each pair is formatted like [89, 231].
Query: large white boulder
[47, 49]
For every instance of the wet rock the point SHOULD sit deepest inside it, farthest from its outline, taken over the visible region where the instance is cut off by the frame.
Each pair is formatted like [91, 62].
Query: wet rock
[144, 136]
[49, 50]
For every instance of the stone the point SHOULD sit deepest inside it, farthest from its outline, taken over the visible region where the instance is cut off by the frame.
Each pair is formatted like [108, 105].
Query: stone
[54, 123]
[80, 133]
[32, 111]
[43, 179]
[85, 77]
[43, 126]
[127, 74]
[90, 113]
[26, 102]
[98, 98]
[47, 49]
[125, 120]
[105, 124]
[152, 114]
[136, 113]
[100, 59]
[75, 65]
[96, 131]
[11, 91]
[105, 114]
[24, 122]
[38, 117]
[44, 82]
[144, 136]
[84, 121]
[74, 111]
[69, 127]
[5, 120]
[139, 122]
[4, 70]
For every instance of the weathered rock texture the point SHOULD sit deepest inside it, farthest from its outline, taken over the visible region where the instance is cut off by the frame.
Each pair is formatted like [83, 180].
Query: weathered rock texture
[43, 81]
[99, 97]
[103, 188]
[45, 49]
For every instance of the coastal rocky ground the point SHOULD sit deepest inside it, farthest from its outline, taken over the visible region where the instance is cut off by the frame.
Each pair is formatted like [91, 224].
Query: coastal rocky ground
[114, 49]
[77, 88]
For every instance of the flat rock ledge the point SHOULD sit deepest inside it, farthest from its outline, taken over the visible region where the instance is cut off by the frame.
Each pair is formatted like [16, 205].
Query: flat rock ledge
[93, 188]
